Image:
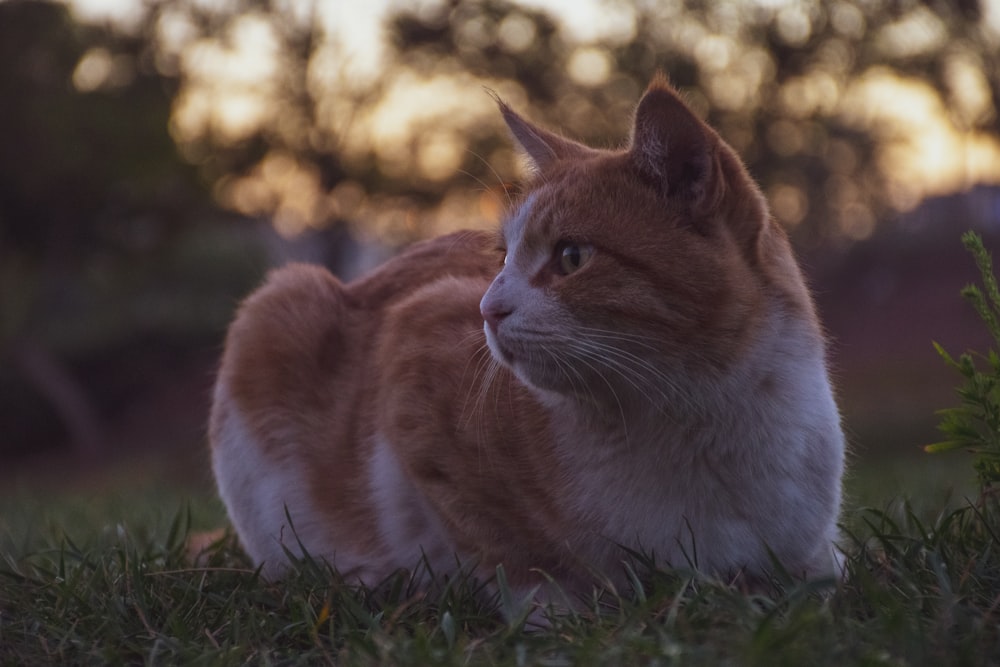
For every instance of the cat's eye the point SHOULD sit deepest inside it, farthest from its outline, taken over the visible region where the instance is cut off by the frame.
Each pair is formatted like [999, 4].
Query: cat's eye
[572, 256]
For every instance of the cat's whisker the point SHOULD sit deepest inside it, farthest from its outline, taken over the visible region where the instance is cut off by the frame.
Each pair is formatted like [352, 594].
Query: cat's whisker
[643, 388]
[659, 388]
[486, 188]
[649, 342]
[629, 356]
[474, 333]
[500, 182]
[629, 360]
[666, 388]
[614, 394]
[641, 341]
[488, 369]
[637, 371]
[481, 380]
[635, 379]
[492, 370]
[485, 375]
[475, 356]
[630, 365]
[564, 366]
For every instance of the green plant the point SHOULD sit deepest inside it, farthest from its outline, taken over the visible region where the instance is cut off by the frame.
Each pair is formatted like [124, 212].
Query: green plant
[975, 424]
[921, 589]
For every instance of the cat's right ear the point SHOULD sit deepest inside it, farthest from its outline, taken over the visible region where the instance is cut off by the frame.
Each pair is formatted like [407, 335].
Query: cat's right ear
[673, 147]
[541, 147]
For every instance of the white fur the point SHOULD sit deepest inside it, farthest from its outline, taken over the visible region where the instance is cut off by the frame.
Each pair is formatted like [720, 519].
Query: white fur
[257, 489]
[531, 310]
[406, 522]
[691, 498]
[717, 482]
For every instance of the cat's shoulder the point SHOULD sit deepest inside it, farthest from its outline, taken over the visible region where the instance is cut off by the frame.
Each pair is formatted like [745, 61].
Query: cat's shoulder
[303, 319]
[465, 254]
[295, 297]
[292, 298]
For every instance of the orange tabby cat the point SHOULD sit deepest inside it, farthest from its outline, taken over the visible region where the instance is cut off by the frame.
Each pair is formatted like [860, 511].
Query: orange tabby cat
[634, 361]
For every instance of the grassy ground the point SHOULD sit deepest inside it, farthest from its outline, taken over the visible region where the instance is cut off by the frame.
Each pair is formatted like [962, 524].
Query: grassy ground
[102, 577]
[101, 574]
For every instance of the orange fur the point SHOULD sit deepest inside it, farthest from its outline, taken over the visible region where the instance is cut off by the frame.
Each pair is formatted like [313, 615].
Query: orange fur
[670, 393]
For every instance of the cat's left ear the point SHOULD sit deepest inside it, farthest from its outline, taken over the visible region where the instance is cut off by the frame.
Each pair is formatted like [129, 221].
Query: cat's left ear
[541, 147]
[674, 149]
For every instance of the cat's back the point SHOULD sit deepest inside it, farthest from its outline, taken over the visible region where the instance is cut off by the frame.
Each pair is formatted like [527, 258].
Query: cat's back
[295, 386]
[303, 329]
[465, 254]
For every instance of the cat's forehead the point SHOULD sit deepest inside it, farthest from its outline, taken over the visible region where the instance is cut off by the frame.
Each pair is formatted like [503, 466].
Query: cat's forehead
[572, 198]
[564, 210]
[536, 216]
[531, 229]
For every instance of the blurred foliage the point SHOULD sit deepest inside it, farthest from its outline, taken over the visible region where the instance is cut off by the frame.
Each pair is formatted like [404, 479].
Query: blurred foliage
[777, 80]
[122, 139]
[975, 424]
[105, 233]
[95, 203]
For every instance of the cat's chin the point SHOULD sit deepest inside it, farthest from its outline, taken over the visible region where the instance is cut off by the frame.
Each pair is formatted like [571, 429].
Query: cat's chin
[550, 389]
[507, 359]
[530, 377]
[500, 353]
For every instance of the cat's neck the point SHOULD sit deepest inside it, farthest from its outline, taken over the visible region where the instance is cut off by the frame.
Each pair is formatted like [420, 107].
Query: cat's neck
[697, 470]
[781, 381]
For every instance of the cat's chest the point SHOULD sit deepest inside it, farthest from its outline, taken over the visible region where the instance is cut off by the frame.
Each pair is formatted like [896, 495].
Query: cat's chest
[648, 493]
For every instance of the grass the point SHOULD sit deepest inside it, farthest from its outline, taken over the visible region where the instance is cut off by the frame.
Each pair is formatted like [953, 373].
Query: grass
[80, 587]
[110, 581]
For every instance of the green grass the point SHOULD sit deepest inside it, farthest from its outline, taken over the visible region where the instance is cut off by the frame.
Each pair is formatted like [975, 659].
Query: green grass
[104, 579]
[107, 579]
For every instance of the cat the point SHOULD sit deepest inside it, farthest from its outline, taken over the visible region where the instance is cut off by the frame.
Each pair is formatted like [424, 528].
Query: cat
[633, 362]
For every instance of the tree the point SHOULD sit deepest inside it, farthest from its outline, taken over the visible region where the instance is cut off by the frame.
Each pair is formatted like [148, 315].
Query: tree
[790, 85]
[94, 200]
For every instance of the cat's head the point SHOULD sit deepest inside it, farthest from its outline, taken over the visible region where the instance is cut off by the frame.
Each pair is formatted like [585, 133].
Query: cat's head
[627, 272]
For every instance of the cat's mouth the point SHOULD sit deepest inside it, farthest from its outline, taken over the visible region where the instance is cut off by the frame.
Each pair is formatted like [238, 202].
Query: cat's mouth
[520, 357]
[501, 353]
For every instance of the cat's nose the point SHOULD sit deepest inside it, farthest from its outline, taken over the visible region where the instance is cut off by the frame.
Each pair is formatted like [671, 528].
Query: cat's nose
[493, 314]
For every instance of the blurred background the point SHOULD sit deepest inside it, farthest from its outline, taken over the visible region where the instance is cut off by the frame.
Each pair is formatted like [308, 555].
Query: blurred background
[157, 156]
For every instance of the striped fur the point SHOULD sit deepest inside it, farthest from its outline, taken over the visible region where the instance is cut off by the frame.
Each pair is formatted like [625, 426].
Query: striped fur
[650, 375]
